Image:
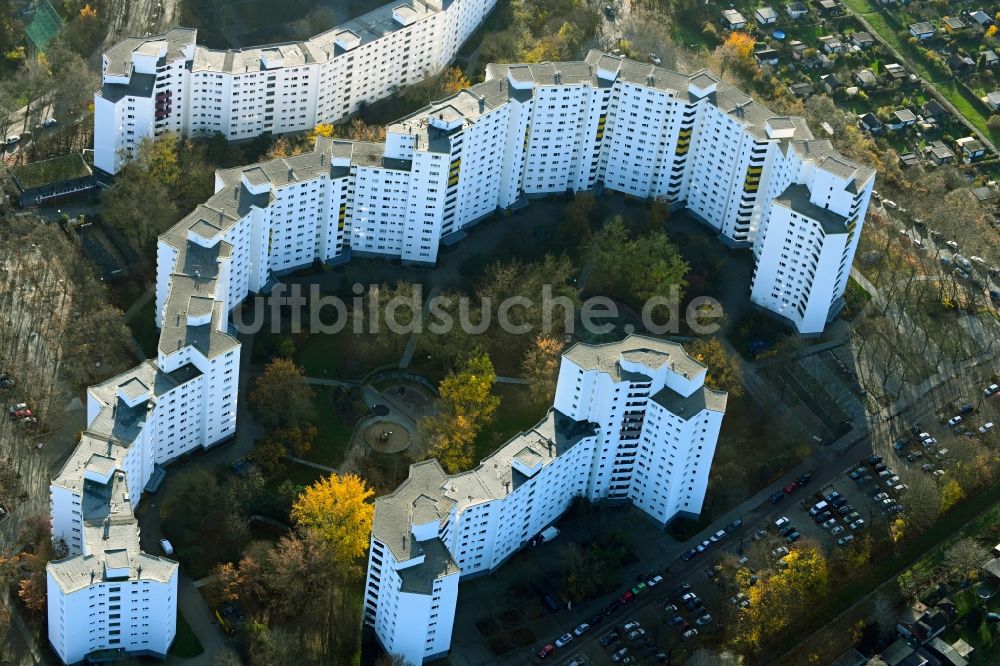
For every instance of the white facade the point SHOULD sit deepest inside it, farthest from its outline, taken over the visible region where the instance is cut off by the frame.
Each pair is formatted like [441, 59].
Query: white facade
[532, 130]
[107, 596]
[632, 421]
[168, 83]
[110, 599]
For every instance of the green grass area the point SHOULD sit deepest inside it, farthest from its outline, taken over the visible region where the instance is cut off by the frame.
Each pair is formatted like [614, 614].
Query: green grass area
[855, 298]
[516, 413]
[972, 626]
[186, 644]
[300, 475]
[54, 170]
[333, 436]
[947, 86]
[144, 329]
[342, 355]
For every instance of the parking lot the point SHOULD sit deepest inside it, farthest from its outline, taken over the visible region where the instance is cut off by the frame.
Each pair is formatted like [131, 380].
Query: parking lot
[503, 618]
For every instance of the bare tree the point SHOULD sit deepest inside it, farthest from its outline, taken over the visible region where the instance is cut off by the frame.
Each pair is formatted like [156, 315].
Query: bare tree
[965, 558]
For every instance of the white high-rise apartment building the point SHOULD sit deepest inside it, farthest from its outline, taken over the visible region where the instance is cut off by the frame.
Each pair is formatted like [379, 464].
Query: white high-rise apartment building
[758, 179]
[168, 83]
[632, 421]
[107, 598]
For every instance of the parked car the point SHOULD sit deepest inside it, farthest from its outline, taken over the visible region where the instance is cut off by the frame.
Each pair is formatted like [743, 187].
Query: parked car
[546, 651]
[735, 525]
[581, 629]
[787, 529]
[703, 620]
[626, 598]
[794, 536]
[564, 640]
[608, 639]
[986, 427]
[718, 536]
[670, 609]
[629, 626]
[790, 488]
[759, 534]
[618, 656]
[641, 587]
[955, 420]
[689, 634]
[780, 551]
[675, 621]
[966, 408]
[777, 497]
[687, 555]
[781, 521]
[991, 390]
[858, 524]
[632, 635]
[846, 539]
[874, 459]
[654, 581]
[804, 479]
[830, 523]
[837, 530]
[167, 547]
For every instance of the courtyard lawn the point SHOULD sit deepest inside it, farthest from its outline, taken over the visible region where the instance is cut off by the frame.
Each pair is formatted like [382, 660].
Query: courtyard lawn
[333, 435]
[144, 330]
[341, 355]
[186, 644]
[297, 473]
[516, 414]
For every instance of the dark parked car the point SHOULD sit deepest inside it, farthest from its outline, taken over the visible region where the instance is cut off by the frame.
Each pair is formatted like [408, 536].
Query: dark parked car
[777, 497]
[804, 479]
[608, 639]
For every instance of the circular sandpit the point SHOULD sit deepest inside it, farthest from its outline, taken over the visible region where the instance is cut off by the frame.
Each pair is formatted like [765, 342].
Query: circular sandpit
[387, 437]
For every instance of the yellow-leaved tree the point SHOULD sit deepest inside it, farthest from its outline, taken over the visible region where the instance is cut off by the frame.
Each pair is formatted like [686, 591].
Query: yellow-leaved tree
[951, 494]
[778, 599]
[466, 404]
[337, 508]
[724, 371]
[454, 80]
[736, 51]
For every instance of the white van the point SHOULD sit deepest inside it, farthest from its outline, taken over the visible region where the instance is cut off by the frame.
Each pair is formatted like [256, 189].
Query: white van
[818, 508]
[168, 549]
